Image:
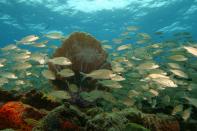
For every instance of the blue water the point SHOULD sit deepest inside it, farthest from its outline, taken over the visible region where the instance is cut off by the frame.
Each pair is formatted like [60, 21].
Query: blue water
[105, 19]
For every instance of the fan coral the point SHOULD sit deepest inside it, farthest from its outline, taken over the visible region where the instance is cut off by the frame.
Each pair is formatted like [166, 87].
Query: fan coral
[86, 55]
[84, 51]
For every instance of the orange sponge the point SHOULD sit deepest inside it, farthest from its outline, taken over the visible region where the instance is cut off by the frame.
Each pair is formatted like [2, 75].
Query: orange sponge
[12, 115]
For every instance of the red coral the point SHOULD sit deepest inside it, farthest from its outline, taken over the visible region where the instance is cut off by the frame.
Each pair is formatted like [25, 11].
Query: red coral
[12, 115]
[67, 125]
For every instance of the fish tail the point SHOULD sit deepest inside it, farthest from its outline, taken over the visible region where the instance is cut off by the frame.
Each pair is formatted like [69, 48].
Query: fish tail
[84, 76]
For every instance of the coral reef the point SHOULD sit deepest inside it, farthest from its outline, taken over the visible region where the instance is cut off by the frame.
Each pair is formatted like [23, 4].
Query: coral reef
[160, 122]
[134, 127]
[65, 117]
[68, 117]
[106, 122]
[119, 121]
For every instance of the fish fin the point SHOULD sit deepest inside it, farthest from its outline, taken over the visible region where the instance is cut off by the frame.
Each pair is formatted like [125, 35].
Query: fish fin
[83, 73]
[18, 42]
